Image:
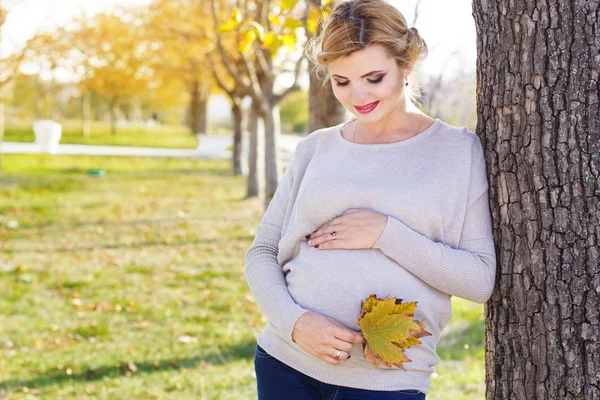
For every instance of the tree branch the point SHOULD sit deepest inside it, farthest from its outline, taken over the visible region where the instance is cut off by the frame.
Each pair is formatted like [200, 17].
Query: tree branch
[295, 86]
[414, 22]
[233, 71]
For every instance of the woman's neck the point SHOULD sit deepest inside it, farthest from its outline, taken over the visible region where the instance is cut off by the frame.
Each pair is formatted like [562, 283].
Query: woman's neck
[402, 122]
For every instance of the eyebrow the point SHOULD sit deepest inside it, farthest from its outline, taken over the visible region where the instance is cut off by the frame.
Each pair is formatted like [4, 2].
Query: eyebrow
[367, 74]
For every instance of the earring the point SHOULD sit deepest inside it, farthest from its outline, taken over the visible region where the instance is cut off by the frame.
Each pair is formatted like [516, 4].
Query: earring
[406, 84]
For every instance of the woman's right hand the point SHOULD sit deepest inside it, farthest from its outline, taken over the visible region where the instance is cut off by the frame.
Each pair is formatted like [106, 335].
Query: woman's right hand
[320, 336]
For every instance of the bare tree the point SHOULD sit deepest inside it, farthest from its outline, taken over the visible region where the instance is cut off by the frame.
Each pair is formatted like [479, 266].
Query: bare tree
[258, 78]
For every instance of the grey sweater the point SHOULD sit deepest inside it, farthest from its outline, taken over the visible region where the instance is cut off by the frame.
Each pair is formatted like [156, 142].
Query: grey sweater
[437, 243]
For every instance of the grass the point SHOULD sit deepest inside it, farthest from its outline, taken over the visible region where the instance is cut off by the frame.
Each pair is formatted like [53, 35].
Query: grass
[159, 136]
[131, 285]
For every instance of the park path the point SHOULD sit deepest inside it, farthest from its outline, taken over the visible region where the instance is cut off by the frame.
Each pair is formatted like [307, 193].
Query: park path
[210, 147]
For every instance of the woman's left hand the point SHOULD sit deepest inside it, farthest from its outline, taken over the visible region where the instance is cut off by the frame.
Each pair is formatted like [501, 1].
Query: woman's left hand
[355, 229]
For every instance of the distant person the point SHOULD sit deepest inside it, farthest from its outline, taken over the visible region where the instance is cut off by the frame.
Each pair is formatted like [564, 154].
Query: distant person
[393, 203]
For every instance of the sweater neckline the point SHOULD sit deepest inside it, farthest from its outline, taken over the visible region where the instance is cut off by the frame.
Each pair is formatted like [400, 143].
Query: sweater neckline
[421, 135]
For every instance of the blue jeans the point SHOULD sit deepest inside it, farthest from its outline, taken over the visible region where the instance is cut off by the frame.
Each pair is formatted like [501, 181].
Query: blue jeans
[276, 380]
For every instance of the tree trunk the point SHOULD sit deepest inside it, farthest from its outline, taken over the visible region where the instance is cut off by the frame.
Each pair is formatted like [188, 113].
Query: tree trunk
[86, 111]
[113, 117]
[272, 153]
[237, 164]
[55, 112]
[198, 108]
[39, 98]
[324, 108]
[255, 166]
[539, 120]
[135, 111]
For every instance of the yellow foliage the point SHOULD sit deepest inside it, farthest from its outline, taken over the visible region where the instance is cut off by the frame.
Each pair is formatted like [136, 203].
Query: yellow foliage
[246, 40]
[274, 19]
[290, 40]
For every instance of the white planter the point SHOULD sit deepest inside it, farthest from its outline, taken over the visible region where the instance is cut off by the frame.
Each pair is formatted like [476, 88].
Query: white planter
[47, 135]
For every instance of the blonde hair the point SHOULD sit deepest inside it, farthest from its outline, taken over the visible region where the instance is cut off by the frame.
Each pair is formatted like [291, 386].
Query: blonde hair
[356, 24]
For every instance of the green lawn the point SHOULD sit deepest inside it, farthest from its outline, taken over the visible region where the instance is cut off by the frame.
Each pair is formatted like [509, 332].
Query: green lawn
[131, 285]
[158, 136]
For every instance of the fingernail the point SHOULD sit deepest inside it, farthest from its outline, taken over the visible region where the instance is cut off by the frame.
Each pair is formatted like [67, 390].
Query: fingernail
[307, 236]
[349, 357]
[316, 246]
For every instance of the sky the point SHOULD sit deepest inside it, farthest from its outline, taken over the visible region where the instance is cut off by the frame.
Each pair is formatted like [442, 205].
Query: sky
[31, 16]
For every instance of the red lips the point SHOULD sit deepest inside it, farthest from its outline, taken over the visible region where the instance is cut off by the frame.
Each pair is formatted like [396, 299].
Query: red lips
[367, 108]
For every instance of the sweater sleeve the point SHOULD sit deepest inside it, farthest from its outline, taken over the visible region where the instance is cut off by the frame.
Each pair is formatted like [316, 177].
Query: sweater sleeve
[261, 268]
[468, 271]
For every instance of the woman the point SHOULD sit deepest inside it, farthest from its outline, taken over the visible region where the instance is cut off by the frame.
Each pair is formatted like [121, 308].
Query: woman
[392, 203]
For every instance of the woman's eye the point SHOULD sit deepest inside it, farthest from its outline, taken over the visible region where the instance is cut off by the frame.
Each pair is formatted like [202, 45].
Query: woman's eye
[376, 80]
[368, 80]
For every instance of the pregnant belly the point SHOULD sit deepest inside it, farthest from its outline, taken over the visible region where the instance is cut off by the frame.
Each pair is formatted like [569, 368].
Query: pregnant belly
[334, 282]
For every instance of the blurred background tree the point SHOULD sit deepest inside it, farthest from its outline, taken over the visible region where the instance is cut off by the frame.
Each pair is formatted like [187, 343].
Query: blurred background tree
[206, 67]
[9, 66]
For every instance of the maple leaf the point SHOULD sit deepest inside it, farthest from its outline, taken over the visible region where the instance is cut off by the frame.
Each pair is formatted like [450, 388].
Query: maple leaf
[388, 329]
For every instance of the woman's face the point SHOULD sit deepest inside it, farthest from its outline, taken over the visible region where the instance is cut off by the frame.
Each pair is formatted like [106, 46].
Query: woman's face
[366, 77]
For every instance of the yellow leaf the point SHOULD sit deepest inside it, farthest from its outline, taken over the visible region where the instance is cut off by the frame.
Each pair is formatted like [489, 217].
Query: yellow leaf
[287, 4]
[292, 23]
[274, 19]
[290, 41]
[269, 39]
[228, 26]
[388, 329]
[272, 42]
[312, 22]
[246, 40]
[233, 23]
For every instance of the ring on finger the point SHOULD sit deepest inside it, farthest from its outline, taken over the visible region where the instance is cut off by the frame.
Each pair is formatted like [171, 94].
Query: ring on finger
[333, 234]
[336, 354]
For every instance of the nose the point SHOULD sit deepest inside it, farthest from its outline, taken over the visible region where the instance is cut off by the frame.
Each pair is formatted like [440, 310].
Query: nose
[359, 96]
[360, 92]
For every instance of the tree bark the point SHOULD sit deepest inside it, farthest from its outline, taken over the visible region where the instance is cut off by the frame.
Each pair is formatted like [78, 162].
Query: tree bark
[86, 113]
[270, 117]
[198, 108]
[113, 117]
[255, 167]
[539, 121]
[237, 165]
[39, 98]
